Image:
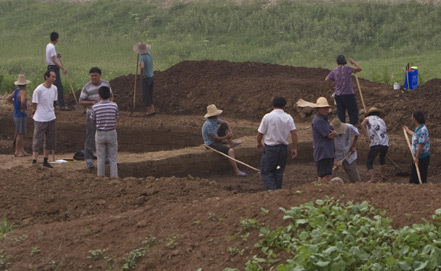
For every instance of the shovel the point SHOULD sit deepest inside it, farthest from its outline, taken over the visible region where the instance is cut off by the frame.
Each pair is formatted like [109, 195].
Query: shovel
[77, 106]
[134, 87]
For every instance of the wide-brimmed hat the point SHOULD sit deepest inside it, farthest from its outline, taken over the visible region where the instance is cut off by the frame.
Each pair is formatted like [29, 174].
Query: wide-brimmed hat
[142, 48]
[321, 102]
[212, 111]
[21, 80]
[375, 110]
[339, 127]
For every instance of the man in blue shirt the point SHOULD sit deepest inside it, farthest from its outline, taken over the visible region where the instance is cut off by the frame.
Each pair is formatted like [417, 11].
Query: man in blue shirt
[146, 62]
[214, 140]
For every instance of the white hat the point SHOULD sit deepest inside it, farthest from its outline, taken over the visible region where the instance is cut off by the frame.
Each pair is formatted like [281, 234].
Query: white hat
[21, 80]
[212, 111]
[142, 48]
[339, 127]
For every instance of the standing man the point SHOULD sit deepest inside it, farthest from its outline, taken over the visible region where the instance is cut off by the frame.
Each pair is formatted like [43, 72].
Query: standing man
[345, 144]
[146, 62]
[88, 97]
[322, 139]
[214, 140]
[276, 127]
[54, 64]
[44, 117]
[104, 115]
[343, 90]
[19, 100]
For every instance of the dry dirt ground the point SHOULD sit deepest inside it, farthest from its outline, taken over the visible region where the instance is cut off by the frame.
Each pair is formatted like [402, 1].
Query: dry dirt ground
[185, 197]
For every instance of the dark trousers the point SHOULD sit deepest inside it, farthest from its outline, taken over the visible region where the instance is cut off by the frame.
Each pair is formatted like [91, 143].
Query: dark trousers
[147, 90]
[373, 151]
[272, 166]
[347, 102]
[423, 165]
[58, 84]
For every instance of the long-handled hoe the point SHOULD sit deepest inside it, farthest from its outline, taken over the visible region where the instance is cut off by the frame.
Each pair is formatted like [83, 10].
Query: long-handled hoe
[237, 161]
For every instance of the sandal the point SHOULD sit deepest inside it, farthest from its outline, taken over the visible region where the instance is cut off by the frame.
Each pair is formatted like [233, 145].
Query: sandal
[236, 144]
[242, 174]
[370, 181]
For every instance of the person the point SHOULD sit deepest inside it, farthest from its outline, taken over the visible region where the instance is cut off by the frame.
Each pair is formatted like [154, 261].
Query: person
[214, 140]
[420, 147]
[88, 97]
[146, 63]
[322, 140]
[275, 128]
[53, 61]
[19, 99]
[104, 115]
[375, 131]
[43, 100]
[343, 90]
[345, 144]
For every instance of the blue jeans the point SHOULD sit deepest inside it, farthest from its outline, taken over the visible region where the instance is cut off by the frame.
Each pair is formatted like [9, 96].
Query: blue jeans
[273, 157]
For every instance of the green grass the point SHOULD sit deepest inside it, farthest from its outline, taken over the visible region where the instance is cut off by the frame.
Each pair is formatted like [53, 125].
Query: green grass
[382, 37]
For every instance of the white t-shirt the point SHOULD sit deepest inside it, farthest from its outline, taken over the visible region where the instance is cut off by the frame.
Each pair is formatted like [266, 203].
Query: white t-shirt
[45, 98]
[50, 52]
[276, 126]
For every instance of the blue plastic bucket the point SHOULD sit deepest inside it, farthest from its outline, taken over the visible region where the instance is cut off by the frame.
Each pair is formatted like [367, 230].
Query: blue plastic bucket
[413, 78]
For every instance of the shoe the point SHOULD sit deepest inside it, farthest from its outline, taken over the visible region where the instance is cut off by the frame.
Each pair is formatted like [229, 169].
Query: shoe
[370, 181]
[46, 164]
[149, 115]
[90, 165]
[26, 154]
[18, 155]
[57, 107]
[383, 179]
[242, 174]
[236, 144]
[65, 108]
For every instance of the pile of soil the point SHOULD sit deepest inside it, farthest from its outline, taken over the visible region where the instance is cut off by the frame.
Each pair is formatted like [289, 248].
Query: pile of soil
[245, 90]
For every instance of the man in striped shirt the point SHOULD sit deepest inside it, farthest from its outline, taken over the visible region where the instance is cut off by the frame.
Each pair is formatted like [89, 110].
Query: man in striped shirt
[89, 96]
[104, 115]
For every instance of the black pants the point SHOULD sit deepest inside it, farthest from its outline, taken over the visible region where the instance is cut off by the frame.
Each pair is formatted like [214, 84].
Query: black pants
[347, 102]
[147, 90]
[58, 84]
[373, 151]
[423, 165]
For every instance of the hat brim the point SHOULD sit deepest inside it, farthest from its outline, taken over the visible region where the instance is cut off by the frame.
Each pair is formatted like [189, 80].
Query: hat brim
[17, 83]
[303, 103]
[342, 129]
[217, 113]
[380, 112]
[136, 49]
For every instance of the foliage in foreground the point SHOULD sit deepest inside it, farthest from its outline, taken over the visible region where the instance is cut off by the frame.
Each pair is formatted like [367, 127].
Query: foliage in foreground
[330, 235]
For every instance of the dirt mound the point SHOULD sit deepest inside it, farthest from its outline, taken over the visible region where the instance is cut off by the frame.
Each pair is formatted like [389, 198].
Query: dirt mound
[245, 90]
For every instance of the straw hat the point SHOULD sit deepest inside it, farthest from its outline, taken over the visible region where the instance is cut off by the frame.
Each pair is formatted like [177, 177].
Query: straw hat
[21, 80]
[321, 102]
[339, 127]
[212, 111]
[375, 110]
[142, 48]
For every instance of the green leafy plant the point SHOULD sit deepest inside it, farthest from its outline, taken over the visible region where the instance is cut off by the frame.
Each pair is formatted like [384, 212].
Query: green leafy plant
[331, 235]
[5, 227]
[35, 250]
[171, 242]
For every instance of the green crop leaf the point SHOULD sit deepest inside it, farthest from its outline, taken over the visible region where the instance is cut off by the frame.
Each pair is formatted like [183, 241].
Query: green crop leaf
[322, 264]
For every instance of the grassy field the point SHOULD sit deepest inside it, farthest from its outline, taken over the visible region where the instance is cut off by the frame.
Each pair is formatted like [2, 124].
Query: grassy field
[382, 37]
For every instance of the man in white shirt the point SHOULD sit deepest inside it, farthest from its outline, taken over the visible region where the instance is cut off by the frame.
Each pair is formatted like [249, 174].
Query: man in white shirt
[53, 63]
[276, 127]
[43, 100]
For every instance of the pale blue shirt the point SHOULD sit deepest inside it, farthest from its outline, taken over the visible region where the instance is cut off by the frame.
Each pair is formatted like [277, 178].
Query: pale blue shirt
[209, 127]
[343, 143]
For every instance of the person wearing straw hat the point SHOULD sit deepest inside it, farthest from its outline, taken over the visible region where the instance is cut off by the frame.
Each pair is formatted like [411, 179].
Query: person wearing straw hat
[19, 100]
[53, 63]
[420, 147]
[43, 100]
[275, 128]
[343, 89]
[375, 131]
[90, 96]
[214, 140]
[322, 140]
[148, 79]
[345, 149]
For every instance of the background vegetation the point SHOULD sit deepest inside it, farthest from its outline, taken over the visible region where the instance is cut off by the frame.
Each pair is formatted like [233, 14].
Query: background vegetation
[382, 37]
